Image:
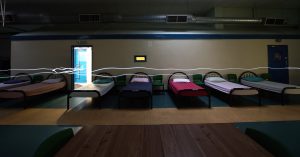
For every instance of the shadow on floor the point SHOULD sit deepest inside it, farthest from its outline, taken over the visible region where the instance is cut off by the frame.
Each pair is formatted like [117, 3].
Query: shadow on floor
[160, 100]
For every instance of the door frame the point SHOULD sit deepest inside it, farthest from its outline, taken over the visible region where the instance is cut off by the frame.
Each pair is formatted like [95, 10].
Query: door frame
[72, 61]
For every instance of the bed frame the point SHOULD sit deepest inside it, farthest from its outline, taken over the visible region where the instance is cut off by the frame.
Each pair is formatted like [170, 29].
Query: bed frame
[282, 94]
[20, 75]
[216, 74]
[26, 98]
[142, 92]
[184, 74]
[247, 74]
[87, 91]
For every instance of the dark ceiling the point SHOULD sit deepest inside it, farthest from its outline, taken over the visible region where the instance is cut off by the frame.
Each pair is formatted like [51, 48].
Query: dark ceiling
[62, 7]
[31, 14]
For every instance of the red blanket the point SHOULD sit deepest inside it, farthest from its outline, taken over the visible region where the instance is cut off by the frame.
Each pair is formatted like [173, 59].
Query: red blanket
[187, 89]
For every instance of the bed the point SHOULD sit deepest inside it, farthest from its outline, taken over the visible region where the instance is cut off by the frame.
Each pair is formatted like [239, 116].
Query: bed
[53, 82]
[251, 79]
[20, 79]
[214, 80]
[102, 84]
[179, 83]
[139, 86]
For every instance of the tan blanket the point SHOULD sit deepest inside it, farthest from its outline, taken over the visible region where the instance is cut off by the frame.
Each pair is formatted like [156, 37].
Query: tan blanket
[32, 90]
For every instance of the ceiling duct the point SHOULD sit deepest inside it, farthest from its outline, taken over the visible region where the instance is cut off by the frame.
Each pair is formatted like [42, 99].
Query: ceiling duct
[274, 21]
[182, 19]
[136, 19]
[177, 19]
[225, 20]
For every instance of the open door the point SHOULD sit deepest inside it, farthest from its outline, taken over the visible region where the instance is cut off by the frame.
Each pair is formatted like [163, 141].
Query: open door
[278, 58]
[82, 63]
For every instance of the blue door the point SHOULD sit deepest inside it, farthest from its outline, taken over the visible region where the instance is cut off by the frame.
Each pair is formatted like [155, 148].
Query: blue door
[278, 58]
[82, 64]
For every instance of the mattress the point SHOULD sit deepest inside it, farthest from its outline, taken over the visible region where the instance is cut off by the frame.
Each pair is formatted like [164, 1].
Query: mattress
[187, 89]
[87, 90]
[137, 89]
[7, 86]
[138, 86]
[231, 88]
[32, 89]
[273, 86]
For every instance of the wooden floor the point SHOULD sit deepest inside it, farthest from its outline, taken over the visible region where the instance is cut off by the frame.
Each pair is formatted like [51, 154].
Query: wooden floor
[94, 116]
[204, 140]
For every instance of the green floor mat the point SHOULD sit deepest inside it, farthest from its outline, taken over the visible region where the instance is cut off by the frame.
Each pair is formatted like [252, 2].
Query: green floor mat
[286, 132]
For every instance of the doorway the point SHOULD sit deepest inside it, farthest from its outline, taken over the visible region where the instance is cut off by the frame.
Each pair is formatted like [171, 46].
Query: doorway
[278, 58]
[82, 64]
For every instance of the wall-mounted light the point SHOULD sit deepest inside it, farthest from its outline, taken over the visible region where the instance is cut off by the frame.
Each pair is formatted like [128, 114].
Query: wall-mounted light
[140, 58]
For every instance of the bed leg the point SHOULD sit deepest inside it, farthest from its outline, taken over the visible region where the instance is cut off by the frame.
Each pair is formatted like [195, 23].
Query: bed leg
[98, 99]
[26, 103]
[209, 101]
[25, 100]
[119, 100]
[68, 102]
[259, 99]
[230, 100]
[151, 102]
[282, 99]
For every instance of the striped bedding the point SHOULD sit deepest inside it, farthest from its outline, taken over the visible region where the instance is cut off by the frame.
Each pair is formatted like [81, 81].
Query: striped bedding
[231, 88]
[273, 86]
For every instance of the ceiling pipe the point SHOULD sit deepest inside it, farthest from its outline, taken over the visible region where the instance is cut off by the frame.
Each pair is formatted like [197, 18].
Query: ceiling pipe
[224, 20]
[104, 18]
[190, 19]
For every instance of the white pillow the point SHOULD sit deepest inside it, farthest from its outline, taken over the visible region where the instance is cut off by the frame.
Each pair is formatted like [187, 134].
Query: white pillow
[52, 80]
[181, 80]
[215, 79]
[140, 79]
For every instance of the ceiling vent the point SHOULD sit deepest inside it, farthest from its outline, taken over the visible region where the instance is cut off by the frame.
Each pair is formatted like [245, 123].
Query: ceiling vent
[274, 21]
[177, 19]
[89, 18]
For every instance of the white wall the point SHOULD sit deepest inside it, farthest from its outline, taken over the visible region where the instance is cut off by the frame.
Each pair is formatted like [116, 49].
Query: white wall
[221, 53]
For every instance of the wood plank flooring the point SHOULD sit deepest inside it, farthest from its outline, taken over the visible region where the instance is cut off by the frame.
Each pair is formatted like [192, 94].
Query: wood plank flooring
[204, 140]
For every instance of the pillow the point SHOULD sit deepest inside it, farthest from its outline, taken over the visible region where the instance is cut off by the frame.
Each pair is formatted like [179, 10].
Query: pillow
[215, 79]
[140, 79]
[52, 80]
[253, 79]
[14, 81]
[181, 80]
[102, 81]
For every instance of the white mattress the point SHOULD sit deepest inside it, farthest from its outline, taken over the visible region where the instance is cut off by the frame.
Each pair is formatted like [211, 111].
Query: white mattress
[273, 86]
[7, 86]
[101, 88]
[227, 87]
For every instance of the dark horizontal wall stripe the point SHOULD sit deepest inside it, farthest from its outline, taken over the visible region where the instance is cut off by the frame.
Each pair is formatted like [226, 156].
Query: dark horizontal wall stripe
[155, 36]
